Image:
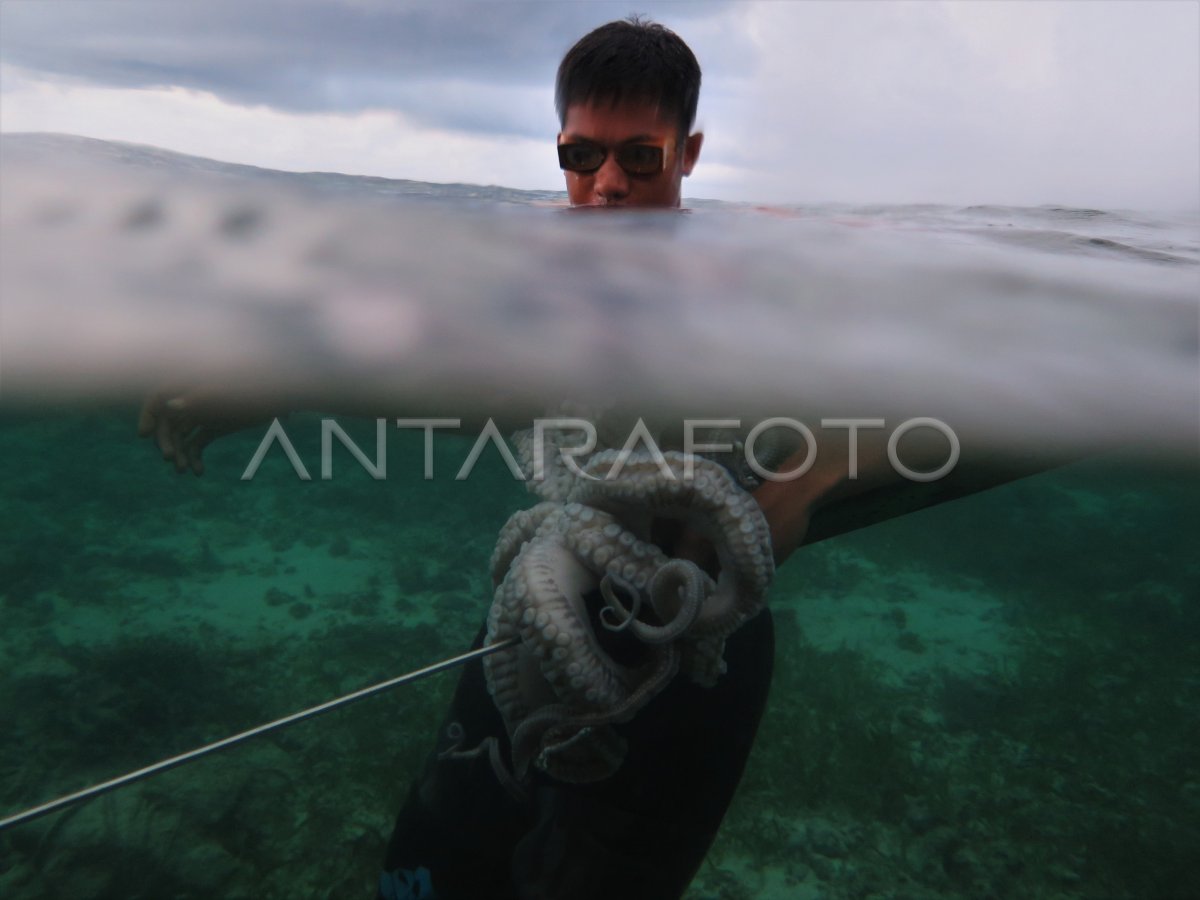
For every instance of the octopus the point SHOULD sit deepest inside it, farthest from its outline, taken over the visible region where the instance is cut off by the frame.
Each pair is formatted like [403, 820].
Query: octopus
[581, 562]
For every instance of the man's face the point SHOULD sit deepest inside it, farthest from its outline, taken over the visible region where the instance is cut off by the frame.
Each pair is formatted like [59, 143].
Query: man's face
[610, 127]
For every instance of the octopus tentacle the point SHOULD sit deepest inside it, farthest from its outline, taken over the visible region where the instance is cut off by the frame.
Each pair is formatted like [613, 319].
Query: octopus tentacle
[557, 731]
[677, 591]
[677, 594]
[491, 746]
[713, 505]
[557, 690]
[612, 603]
[516, 532]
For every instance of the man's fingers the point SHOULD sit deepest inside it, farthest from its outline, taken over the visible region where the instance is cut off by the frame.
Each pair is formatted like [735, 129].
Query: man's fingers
[194, 460]
[148, 417]
[175, 431]
[163, 436]
[154, 409]
[181, 454]
[196, 444]
[183, 422]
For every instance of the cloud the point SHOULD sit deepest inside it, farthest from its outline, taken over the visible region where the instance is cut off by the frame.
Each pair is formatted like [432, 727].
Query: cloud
[445, 64]
[383, 143]
[1079, 103]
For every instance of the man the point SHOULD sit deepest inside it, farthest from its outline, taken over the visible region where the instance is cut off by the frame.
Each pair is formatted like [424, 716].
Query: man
[626, 98]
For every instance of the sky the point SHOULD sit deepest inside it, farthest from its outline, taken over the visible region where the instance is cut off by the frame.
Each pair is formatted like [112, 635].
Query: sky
[1092, 103]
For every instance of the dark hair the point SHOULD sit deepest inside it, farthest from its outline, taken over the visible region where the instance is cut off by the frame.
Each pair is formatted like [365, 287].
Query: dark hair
[631, 60]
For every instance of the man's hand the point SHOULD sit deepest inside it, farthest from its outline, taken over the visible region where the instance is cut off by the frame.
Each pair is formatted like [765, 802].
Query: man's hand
[787, 506]
[183, 423]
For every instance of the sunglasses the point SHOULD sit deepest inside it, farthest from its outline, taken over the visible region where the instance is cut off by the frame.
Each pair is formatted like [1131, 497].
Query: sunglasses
[635, 159]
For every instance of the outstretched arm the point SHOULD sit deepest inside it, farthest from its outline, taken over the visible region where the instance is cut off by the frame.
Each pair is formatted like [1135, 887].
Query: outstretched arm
[790, 505]
[183, 423]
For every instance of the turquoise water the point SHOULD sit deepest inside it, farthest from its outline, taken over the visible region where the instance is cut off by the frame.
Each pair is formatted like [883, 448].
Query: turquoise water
[996, 697]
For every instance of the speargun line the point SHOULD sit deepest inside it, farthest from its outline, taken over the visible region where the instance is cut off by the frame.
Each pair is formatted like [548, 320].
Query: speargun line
[130, 777]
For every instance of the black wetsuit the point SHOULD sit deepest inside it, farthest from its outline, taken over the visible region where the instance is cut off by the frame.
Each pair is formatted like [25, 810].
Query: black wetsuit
[640, 834]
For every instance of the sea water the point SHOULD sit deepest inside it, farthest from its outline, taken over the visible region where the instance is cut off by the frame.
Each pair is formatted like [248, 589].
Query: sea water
[125, 268]
[994, 697]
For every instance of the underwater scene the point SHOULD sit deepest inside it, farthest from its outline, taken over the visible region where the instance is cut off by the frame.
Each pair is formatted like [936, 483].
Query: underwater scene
[996, 697]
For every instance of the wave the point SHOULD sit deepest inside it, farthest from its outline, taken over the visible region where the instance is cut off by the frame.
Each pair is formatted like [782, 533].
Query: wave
[125, 268]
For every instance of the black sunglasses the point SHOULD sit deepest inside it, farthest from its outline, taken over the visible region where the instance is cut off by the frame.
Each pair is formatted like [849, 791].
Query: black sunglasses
[635, 159]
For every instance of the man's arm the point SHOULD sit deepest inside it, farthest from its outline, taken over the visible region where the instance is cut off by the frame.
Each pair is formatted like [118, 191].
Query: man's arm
[183, 423]
[789, 506]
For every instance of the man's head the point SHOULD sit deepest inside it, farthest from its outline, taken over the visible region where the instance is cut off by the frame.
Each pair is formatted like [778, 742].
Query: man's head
[626, 95]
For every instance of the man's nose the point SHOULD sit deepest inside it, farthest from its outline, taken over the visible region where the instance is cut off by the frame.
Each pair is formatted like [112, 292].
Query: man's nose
[611, 181]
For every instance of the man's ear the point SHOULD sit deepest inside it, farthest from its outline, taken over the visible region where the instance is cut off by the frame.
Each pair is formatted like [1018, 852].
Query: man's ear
[691, 151]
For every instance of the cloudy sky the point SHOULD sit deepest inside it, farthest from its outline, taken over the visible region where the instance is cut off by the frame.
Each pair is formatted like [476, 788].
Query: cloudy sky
[1084, 102]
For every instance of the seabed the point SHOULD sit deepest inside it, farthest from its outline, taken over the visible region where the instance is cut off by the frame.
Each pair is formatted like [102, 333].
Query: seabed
[994, 698]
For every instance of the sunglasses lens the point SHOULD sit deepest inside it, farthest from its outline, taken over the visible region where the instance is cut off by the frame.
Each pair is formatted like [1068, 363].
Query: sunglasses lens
[580, 157]
[640, 159]
[635, 159]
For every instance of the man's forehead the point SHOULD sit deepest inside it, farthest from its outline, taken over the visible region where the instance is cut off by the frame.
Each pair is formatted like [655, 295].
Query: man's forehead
[616, 121]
